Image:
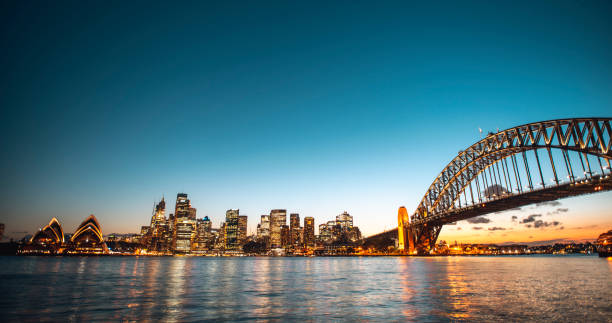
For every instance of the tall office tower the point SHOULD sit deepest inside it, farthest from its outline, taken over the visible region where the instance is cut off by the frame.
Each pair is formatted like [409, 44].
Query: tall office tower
[231, 230]
[285, 236]
[325, 233]
[159, 214]
[294, 228]
[278, 218]
[242, 230]
[156, 241]
[184, 224]
[221, 239]
[263, 229]
[345, 221]
[309, 238]
[204, 237]
[170, 233]
[183, 204]
[206, 224]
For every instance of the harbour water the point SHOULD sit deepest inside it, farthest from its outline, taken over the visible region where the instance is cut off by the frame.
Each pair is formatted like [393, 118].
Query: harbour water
[513, 288]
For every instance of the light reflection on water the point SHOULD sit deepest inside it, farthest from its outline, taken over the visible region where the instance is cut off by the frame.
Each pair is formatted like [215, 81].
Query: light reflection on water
[548, 288]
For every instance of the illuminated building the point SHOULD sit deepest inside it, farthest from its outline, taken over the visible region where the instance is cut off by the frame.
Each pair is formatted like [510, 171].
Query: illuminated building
[231, 230]
[157, 239]
[52, 233]
[342, 231]
[345, 220]
[263, 228]
[278, 218]
[294, 228]
[221, 238]
[325, 234]
[308, 236]
[285, 236]
[205, 238]
[87, 239]
[242, 230]
[184, 224]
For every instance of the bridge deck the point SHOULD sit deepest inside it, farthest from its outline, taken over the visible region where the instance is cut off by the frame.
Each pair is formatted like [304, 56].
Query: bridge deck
[594, 185]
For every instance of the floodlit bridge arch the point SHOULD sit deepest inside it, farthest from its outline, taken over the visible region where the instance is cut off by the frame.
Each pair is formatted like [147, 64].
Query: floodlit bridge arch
[531, 163]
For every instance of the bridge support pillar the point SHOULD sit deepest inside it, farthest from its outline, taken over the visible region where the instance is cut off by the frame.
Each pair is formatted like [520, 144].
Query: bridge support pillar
[405, 236]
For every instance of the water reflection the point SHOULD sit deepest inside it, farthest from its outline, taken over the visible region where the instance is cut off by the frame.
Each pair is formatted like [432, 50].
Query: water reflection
[321, 289]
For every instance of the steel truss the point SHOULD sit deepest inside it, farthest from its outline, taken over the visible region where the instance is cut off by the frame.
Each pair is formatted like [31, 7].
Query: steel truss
[497, 169]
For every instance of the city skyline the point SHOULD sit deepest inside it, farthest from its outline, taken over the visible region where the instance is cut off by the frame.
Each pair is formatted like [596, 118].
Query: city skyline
[315, 109]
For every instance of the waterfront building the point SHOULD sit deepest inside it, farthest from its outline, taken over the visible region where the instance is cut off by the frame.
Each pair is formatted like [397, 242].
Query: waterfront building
[295, 229]
[278, 218]
[242, 230]
[231, 230]
[48, 240]
[87, 239]
[205, 238]
[263, 228]
[184, 230]
[221, 239]
[1, 231]
[285, 236]
[345, 220]
[157, 236]
[325, 233]
[308, 232]
[184, 224]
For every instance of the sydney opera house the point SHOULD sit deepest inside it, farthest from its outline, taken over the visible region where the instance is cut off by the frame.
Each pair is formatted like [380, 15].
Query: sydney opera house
[51, 240]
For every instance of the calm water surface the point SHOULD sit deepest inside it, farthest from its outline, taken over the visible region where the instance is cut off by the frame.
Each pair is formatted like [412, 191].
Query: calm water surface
[529, 288]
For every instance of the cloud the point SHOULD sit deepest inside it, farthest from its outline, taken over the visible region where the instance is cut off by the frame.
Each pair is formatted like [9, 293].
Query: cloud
[477, 228]
[542, 224]
[592, 226]
[548, 203]
[530, 218]
[557, 211]
[514, 217]
[478, 219]
[496, 228]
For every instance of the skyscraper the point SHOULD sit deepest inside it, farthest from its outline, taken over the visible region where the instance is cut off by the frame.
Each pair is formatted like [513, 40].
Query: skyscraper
[309, 231]
[184, 224]
[294, 228]
[242, 230]
[231, 230]
[345, 220]
[263, 229]
[204, 237]
[285, 236]
[278, 218]
[157, 236]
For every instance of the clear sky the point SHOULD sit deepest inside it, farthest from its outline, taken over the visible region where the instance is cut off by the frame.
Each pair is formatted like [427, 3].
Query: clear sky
[315, 107]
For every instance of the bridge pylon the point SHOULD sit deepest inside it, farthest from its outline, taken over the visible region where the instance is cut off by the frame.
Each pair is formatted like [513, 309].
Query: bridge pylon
[404, 233]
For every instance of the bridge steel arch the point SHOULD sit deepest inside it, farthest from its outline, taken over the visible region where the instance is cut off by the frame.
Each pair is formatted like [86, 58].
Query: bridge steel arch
[489, 176]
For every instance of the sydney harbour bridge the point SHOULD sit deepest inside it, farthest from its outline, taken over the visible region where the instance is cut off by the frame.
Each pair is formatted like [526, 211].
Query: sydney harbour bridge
[530, 163]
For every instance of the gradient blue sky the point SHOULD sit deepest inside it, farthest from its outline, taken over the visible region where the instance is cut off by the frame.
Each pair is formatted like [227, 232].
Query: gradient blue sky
[315, 107]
